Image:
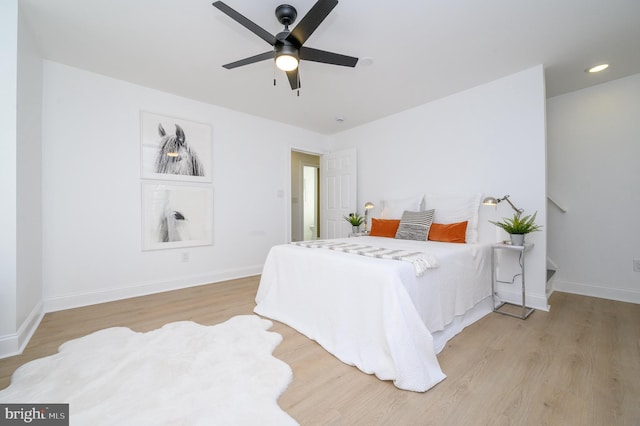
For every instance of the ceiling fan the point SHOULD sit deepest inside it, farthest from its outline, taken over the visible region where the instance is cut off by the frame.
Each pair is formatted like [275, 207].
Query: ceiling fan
[288, 47]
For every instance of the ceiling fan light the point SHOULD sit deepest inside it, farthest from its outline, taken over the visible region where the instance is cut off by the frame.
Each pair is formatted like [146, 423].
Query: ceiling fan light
[287, 62]
[286, 57]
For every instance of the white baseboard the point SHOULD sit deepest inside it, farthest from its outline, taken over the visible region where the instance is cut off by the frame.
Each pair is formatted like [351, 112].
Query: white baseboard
[142, 289]
[14, 344]
[621, 295]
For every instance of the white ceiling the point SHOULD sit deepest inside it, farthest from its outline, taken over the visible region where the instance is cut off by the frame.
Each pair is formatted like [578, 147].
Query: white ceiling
[421, 50]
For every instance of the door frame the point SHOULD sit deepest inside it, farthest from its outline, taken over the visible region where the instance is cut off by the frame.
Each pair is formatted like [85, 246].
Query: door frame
[288, 194]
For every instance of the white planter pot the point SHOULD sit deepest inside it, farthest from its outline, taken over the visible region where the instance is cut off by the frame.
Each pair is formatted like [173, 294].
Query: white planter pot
[517, 239]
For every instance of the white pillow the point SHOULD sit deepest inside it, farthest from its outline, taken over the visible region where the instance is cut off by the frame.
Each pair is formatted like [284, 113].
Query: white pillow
[456, 208]
[393, 209]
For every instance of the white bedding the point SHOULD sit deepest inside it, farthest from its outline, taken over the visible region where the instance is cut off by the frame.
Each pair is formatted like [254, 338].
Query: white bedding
[376, 314]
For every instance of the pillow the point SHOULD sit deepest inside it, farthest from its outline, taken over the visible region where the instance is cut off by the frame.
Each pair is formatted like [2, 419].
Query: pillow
[393, 209]
[415, 225]
[450, 233]
[384, 227]
[456, 208]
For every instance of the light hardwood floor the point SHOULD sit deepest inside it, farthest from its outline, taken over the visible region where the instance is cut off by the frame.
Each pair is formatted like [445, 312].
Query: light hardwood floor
[578, 364]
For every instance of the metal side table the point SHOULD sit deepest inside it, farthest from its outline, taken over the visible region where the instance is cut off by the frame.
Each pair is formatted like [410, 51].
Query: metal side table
[522, 250]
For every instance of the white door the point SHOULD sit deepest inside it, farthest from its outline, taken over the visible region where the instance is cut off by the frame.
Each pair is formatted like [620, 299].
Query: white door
[338, 192]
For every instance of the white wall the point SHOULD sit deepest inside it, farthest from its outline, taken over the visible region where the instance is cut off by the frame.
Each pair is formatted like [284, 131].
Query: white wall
[488, 139]
[8, 166]
[92, 201]
[594, 172]
[29, 195]
[20, 182]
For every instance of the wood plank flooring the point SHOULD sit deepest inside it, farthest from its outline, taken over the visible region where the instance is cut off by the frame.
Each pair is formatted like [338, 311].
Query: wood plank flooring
[576, 365]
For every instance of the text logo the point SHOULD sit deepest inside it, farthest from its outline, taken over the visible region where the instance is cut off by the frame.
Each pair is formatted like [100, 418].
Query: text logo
[34, 414]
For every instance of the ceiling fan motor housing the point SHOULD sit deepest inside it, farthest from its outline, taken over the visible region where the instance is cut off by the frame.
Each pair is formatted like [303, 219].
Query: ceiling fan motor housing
[285, 47]
[286, 14]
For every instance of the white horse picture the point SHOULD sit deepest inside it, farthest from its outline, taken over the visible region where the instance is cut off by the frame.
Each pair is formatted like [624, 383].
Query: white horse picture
[176, 215]
[175, 149]
[175, 156]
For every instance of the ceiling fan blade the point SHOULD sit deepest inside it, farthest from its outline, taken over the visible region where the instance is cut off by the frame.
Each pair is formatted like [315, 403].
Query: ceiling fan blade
[246, 61]
[294, 79]
[248, 24]
[325, 57]
[311, 21]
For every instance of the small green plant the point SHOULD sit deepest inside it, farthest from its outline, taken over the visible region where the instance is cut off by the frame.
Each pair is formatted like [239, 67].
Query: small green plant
[518, 225]
[354, 219]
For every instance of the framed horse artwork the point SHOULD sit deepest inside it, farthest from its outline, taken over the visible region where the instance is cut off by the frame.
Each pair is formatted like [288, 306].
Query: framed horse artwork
[176, 215]
[175, 149]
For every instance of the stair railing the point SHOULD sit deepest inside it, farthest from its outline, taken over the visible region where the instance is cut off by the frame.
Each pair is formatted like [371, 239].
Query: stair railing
[555, 203]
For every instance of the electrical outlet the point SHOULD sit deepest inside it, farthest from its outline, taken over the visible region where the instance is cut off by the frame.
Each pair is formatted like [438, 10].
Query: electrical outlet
[636, 265]
[185, 256]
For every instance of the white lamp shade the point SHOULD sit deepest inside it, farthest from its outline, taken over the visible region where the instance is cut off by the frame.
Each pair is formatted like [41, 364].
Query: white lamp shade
[287, 62]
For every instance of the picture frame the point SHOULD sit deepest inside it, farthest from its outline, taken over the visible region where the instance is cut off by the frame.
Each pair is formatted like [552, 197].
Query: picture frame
[175, 149]
[176, 215]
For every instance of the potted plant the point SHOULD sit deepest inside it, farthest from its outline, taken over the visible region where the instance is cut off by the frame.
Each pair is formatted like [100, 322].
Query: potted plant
[355, 220]
[518, 226]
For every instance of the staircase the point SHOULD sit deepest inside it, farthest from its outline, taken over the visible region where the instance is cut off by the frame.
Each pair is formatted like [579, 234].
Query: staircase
[551, 271]
[551, 266]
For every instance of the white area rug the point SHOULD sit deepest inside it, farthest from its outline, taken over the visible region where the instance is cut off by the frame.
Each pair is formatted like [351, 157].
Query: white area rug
[181, 374]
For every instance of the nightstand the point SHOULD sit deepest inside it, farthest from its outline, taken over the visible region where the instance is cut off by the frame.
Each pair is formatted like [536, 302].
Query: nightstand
[522, 250]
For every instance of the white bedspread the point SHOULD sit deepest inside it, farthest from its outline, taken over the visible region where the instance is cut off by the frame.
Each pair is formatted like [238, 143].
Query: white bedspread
[375, 314]
[420, 261]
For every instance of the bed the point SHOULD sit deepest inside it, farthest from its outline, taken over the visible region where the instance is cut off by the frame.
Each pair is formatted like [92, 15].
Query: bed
[381, 315]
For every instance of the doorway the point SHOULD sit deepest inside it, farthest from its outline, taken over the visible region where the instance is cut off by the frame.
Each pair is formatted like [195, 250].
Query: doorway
[305, 196]
[311, 203]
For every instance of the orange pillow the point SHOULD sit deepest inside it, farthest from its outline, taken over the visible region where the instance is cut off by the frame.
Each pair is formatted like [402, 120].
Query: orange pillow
[450, 233]
[384, 227]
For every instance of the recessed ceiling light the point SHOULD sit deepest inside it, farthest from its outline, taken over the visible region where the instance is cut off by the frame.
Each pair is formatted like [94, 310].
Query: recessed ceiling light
[597, 68]
[339, 118]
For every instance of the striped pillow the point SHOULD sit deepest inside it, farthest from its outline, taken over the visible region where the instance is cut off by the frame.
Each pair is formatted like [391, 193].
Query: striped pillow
[415, 225]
